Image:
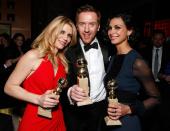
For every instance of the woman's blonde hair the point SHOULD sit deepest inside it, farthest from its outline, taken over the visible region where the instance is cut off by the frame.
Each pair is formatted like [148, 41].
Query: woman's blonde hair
[45, 41]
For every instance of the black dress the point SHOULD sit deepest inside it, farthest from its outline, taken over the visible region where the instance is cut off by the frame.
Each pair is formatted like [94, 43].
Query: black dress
[129, 70]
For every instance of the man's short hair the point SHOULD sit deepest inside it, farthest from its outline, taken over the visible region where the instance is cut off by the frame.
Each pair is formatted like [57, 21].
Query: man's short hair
[88, 8]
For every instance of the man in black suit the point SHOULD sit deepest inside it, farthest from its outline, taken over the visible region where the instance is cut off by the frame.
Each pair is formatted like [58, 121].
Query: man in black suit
[88, 117]
[157, 50]
[157, 55]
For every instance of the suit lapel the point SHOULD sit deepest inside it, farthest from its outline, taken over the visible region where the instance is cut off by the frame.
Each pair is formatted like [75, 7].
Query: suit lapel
[79, 52]
[105, 55]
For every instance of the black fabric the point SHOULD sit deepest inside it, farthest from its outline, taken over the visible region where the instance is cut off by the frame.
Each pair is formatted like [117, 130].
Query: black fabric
[137, 107]
[115, 66]
[93, 114]
[131, 99]
[142, 74]
[6, 123]
[86, 118]
[126, 97]
[88, 46]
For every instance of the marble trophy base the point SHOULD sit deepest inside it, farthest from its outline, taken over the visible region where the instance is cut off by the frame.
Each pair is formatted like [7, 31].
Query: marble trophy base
[110, 122]
[44, 112]
[83, 83]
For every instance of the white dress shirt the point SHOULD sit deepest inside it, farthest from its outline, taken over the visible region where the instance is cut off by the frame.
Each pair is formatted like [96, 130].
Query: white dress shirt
[159, 59]
[95, 65]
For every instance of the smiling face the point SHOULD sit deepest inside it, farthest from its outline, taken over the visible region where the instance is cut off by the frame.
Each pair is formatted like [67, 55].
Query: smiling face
[87, 26]
[64, 37]
[118, 32]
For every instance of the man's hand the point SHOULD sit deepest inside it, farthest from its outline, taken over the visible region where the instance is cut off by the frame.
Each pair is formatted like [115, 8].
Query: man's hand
[77, 94]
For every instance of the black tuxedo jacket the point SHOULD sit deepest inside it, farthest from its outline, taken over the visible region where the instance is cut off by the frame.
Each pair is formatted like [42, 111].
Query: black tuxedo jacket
[75, 52]
[147, 54]
[72, 54]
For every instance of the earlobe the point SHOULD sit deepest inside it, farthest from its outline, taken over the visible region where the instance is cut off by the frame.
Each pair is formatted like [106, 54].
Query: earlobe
[129, 32]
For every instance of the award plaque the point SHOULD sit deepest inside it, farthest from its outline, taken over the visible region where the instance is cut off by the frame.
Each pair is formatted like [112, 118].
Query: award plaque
[111, 85]
[46, 112]
[83, 80]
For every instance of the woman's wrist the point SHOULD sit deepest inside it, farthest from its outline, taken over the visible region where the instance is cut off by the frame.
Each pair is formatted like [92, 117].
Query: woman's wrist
[37, 100]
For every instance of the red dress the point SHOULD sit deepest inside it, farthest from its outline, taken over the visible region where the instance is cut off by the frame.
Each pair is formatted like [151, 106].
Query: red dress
[41, 80]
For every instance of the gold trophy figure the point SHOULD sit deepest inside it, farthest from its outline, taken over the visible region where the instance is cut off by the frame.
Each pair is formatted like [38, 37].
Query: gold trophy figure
[46, 112]
[83, 80]
[111, 85]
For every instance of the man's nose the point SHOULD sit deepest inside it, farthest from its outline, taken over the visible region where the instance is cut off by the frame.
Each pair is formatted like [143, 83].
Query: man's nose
[86, 28]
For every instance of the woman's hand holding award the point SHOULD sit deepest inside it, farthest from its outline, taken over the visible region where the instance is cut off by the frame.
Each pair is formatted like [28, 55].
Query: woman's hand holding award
[111, 85]
[46, 112]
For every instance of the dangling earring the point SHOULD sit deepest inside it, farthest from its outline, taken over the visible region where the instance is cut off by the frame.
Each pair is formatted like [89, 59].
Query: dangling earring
[128, 37]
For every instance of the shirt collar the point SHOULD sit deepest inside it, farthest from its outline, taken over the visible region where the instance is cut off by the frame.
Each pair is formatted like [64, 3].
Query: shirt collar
[82, 44]
[154, 47]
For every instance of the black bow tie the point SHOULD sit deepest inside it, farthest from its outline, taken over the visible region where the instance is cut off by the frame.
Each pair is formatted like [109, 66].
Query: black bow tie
[88, 47]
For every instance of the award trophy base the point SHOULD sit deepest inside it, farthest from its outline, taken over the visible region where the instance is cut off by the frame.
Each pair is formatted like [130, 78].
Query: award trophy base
[44, 112]
[83, 83]
[88, 101]
[110, 122]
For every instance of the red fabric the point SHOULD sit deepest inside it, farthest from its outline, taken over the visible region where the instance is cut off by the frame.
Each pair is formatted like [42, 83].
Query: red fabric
[41, 80]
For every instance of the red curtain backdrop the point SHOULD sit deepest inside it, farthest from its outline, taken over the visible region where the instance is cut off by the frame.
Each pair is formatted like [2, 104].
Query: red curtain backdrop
[159, 24]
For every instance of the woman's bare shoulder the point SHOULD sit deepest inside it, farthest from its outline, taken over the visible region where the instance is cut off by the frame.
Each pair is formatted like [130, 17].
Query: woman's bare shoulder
[32, 54]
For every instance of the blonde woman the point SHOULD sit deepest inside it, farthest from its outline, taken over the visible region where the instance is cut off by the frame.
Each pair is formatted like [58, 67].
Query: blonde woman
[36, 75]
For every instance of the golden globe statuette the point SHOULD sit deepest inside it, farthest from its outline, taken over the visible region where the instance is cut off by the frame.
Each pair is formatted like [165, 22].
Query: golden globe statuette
[111, 85]
[46, 112]
[83, 80]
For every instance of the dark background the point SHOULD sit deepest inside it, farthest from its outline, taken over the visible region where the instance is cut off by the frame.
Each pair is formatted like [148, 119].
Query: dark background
[43, 11]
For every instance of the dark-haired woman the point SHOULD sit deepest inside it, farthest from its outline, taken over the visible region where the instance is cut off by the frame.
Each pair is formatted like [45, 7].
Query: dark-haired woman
[130, 71]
